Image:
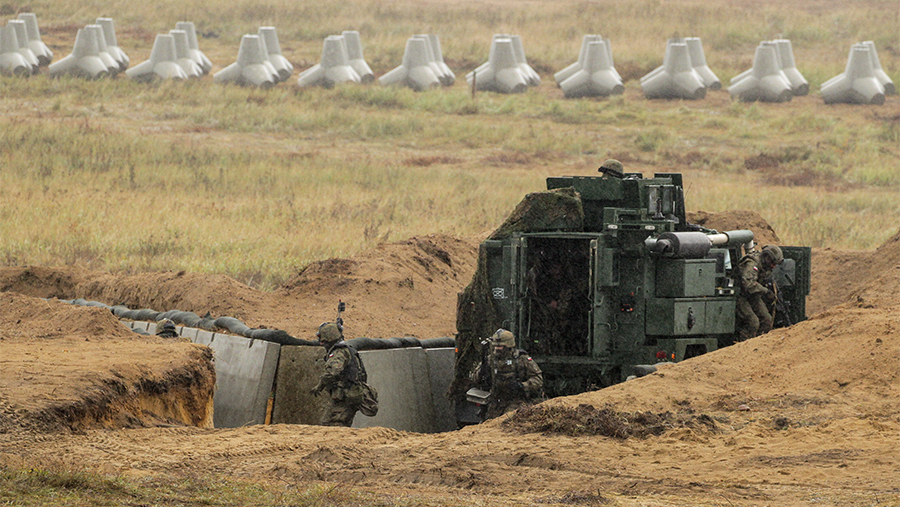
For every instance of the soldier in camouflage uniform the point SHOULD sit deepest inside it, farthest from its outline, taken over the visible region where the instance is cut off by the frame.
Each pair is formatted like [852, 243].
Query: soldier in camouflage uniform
[165, 328]
[511, 376]
[756, 300]
[341, 380]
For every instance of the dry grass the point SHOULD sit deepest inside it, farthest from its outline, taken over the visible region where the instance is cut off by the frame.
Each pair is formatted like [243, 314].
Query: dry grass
[256, 184]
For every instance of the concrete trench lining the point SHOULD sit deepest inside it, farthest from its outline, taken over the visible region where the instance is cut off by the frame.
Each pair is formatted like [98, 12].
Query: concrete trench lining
[412, 375]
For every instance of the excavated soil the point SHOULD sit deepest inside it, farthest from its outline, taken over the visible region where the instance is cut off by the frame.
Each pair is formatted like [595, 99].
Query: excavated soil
[808, 415]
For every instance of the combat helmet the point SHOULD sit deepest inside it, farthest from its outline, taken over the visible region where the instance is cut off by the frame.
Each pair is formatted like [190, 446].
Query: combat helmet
[773, 253]
[166, 328]
[329, 332]
[612, 168]
[504, 338]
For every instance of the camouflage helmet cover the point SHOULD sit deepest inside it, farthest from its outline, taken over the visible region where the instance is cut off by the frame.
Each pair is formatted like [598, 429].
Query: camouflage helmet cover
[165, 324]
[329, 332]
[613, 167]
[773, 253]
[503, 338]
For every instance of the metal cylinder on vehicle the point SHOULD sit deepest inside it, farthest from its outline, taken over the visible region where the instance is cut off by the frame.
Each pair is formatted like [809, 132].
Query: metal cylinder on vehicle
[685, 245]
[731, 238]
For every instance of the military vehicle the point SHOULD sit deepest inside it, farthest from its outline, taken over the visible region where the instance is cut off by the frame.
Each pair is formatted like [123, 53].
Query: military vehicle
[629, 285]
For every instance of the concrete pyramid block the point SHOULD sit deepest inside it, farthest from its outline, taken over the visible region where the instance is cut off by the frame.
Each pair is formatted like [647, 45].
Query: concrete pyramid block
[418, 70]
[282, 66]
[112, 65]
[84, 61]
[765, 82]
[163, 62]
[445, 75]
[334, 68]
[858, 84]
[676, 77]
[880, 74]
[193, 46]
[502, 73]
[18, 27]
[799, 84]
[596, 77]
[698, 61]
[12, 63]
[112, 45]
[183, 54]
[252, 67]
[43, 53]
[355, 55]
[582, 54]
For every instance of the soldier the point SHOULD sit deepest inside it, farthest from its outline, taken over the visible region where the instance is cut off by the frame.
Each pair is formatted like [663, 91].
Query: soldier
[755, 273]
[342, 379]
[612, 169]
[511, 376]
[166, 329]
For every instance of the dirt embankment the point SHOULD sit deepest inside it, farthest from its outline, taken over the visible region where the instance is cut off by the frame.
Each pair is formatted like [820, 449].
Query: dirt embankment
[808, 412]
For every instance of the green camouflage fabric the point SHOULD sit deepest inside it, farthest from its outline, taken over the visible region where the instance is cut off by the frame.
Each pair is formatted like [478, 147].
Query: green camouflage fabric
[512, 378]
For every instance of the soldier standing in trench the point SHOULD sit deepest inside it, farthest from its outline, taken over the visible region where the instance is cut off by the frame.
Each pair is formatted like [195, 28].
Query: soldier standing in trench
[754, 316]
[341, 379]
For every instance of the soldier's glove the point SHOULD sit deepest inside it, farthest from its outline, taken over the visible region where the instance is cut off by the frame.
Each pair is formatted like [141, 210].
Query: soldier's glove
[770, 296]
[316, 390]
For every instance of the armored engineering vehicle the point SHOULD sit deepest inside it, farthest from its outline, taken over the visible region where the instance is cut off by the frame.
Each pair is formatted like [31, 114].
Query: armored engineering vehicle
[635, 284]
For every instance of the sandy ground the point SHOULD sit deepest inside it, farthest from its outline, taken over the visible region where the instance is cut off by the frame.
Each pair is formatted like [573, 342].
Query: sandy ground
[808, 415]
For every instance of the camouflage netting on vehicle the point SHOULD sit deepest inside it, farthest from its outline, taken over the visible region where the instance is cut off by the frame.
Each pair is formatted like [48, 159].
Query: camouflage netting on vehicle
[476, 316]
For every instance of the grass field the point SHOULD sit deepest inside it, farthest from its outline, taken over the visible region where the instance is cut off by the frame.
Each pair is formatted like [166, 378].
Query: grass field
[122, 176]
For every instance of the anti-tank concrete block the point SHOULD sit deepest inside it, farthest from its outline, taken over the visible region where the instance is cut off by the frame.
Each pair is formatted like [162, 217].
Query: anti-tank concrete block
[109, 34]
[162, 64]
[402, 379]
[501, 73]
[194, 46]
[765, 82]
[698, 61]
[282, 66]
[799, 84]
[676, 78]
[12, 63]
[112, 66]
[334, 68]
[252, 67]
[299, 369]
[84, 61]
[355, 56]
[596, 77]
[43, 53]
[582, 57]
[183, 56]
[446, 76]
[22, 41]
[417, 70]
[858, 83]
[880, 74]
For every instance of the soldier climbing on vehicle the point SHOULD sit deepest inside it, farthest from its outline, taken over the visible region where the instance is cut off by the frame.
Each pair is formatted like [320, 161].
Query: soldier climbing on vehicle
[758, 293]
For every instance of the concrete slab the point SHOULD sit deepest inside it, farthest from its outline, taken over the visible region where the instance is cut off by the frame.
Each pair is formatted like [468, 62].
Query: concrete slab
[402, 379]
[441, 365]
[245, 374]
[188, 332]
[299, 369]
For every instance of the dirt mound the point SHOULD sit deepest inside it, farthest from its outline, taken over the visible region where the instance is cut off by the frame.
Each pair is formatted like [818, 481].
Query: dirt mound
[763, 233]
[811, 411]
[68, 367]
